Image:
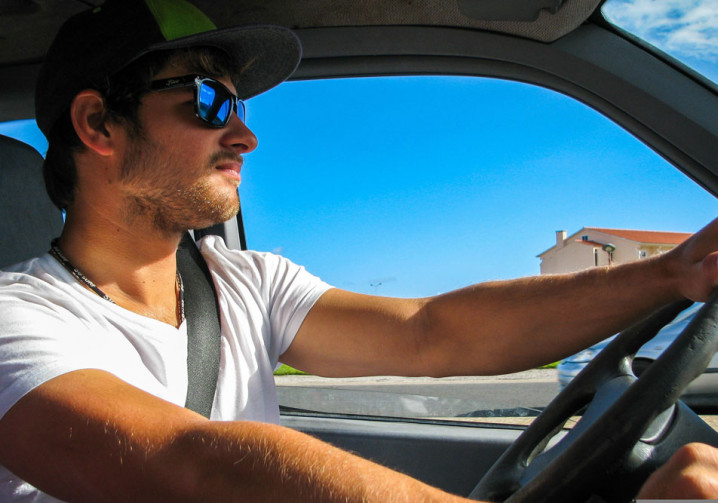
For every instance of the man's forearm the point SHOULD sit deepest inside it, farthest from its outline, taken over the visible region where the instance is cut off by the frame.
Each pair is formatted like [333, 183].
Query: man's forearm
[113, 442]
[506, 326]
[257, 462]
[489, 328]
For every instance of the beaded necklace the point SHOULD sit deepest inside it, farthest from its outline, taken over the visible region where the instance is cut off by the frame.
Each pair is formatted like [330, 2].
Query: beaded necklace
[60, 257]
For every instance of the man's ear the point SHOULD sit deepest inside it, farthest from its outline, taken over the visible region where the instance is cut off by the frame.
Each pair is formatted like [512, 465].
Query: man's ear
[88, 118]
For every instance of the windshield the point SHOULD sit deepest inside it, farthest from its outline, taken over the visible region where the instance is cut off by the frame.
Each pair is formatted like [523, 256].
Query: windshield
[685, 29]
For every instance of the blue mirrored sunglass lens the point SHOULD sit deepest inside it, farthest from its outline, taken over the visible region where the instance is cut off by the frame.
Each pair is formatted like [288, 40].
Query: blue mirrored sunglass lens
[224, 110]
[211, 105]
[216, 104]
[206, 96]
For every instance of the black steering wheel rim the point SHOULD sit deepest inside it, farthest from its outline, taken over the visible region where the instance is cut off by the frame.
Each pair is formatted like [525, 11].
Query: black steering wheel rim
[628, 428]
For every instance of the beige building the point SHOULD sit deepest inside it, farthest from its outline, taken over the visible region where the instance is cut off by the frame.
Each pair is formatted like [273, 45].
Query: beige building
[592, 246]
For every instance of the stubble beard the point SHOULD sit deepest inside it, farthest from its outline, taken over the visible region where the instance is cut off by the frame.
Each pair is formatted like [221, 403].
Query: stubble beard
[172, 204]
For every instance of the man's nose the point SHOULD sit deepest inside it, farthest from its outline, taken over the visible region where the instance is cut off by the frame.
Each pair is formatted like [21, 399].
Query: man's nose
[238, 136]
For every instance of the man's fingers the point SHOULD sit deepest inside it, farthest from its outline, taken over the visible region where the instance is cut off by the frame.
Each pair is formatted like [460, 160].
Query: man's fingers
[691, 473]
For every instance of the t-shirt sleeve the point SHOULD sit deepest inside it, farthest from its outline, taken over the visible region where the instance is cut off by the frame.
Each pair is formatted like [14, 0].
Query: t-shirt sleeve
[294, 292]
[265, 286]
[38, 342]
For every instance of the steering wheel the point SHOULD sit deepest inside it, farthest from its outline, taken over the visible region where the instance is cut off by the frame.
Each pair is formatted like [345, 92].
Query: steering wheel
[630, 426]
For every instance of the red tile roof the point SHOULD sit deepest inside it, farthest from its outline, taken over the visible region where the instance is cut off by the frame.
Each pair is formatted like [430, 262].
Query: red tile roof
[653, 237]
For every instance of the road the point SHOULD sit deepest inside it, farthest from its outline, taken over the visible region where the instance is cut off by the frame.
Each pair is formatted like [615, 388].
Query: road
[521, 394]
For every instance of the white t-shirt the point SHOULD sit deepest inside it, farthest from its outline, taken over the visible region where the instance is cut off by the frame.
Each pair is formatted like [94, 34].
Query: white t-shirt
[50, 325]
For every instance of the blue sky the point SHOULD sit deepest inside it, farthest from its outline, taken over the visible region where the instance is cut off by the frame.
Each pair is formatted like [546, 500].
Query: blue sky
[686, 29]
[439, 199]
[415, 186]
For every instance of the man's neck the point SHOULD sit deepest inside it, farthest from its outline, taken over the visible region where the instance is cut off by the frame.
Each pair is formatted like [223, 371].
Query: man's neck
[135, 267]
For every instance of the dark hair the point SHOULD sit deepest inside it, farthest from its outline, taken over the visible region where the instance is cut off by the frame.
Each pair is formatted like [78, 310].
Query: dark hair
[122, 94]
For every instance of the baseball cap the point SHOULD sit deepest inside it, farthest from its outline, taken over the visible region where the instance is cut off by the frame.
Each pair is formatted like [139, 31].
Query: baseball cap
[103, 40]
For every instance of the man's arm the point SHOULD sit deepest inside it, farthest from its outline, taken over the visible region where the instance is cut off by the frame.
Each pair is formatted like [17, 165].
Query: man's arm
[88, 436]
[497, 327]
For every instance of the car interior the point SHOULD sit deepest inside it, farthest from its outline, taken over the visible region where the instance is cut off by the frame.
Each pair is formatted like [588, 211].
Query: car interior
[564, 45]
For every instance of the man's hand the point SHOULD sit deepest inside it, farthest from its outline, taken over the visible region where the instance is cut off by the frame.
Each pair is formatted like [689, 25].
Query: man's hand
[692, 473]
[694, 263]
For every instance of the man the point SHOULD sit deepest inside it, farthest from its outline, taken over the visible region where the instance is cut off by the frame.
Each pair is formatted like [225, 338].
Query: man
[146, 141]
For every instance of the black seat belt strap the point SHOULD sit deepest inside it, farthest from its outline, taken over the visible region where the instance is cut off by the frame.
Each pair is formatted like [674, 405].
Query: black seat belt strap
[203, 327]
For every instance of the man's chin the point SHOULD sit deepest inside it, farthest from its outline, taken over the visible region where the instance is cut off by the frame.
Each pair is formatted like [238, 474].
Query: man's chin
[217, 216]
[195, 208]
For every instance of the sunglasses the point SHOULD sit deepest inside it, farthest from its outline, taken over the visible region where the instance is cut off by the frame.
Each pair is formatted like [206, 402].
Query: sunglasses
[213, 102]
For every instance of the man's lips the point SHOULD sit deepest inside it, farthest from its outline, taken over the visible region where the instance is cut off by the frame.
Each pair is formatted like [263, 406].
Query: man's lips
[231, 169]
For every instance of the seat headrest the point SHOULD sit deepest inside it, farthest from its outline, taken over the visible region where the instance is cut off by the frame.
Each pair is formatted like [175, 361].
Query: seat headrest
[29, 219]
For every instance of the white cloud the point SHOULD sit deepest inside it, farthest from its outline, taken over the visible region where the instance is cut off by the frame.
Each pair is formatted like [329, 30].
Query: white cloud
[685, 28]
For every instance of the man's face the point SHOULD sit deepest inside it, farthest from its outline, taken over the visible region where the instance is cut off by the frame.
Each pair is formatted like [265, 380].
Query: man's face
[178, 173]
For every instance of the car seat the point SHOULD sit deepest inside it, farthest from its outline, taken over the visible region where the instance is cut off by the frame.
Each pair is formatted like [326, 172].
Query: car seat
[29, 219]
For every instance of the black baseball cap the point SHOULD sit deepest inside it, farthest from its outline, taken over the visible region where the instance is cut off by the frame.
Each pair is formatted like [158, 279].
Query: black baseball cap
[103, 40]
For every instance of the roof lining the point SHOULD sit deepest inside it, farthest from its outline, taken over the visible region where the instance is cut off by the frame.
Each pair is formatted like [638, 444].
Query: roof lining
[547, 27]
[22, 44]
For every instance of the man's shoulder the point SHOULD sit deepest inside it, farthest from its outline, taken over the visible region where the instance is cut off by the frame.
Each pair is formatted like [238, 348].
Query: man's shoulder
[261, 269]
[39, 284]
[34, 268]
[219, 256]
[213, 244]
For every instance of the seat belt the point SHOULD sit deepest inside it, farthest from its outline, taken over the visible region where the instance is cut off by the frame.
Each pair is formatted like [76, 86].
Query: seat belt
[203, 327]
